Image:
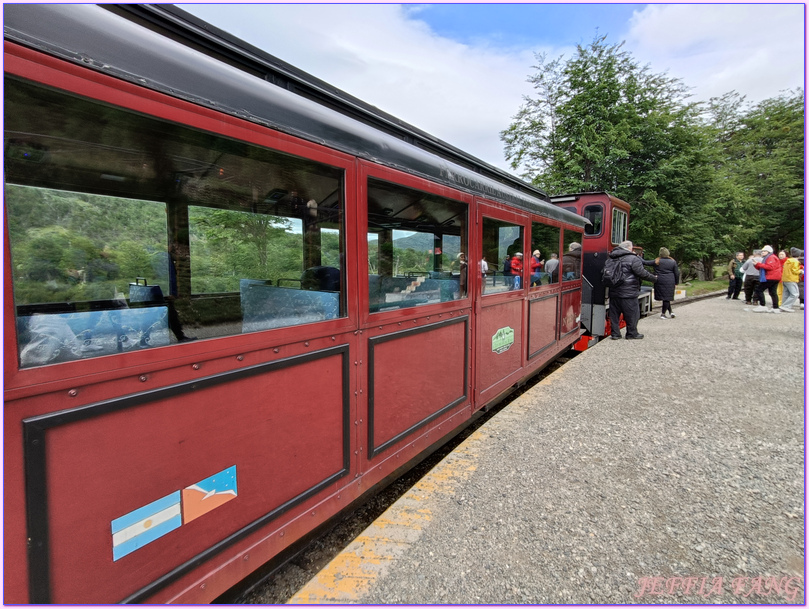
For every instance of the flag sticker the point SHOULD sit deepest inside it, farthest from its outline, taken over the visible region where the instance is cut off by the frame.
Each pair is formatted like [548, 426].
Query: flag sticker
[204, 496]
[144, 525]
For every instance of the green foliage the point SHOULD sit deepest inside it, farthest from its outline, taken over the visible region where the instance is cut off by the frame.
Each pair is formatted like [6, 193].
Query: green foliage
[704, 180]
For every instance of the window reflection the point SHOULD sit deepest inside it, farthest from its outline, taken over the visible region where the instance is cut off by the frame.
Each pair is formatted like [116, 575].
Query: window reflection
[544, 264]
[417, 247]
[129, 233]
[571, 259]
[503, 253]
[595, 214]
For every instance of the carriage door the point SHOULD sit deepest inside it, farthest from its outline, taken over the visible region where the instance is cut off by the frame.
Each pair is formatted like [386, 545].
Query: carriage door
[501, 308]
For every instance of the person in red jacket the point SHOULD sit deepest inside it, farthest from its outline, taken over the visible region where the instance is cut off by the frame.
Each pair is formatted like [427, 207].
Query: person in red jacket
[770, 269]
[516, 270]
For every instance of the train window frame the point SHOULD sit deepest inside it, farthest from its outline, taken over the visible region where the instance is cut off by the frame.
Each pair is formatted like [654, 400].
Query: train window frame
[78, 82]
[572, 257]
[376, 181]
[619, 226]
[596, 226]
[496, 263]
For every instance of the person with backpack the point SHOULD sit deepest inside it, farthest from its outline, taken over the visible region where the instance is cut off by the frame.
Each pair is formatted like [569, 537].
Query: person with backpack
[668, 276]
[508, 279]
[622, 274]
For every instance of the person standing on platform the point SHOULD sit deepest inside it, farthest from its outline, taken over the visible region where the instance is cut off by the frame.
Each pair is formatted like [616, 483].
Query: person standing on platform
[770, 276]
[735, 276]
[751, 275]
[791, 274]
[668, 276]
[624, 297]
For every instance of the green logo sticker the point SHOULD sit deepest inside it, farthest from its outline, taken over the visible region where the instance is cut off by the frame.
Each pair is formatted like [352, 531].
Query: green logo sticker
[502, 340]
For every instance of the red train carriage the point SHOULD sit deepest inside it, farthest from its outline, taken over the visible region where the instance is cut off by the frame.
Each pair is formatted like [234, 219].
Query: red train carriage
[236, 301]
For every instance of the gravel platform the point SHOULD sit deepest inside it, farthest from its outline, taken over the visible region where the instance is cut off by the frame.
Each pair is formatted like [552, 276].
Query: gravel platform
[663, 470]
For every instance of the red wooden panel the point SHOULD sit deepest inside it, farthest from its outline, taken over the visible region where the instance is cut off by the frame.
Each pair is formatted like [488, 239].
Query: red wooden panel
[491, 365]
[571, 311]
[541, 323]
[415, 375]
[282, 429]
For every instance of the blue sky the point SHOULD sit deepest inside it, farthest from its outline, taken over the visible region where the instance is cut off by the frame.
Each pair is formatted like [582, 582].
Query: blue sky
[459, 71]
[526, 24]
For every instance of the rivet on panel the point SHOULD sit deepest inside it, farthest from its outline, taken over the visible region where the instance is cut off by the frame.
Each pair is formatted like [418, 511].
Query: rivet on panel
[281, 534]
[306, 344]
[276, 350]
[240, 357]
[202, 586]
[333, 338]
[246, 557]
[196, 366]
[73, 393]
[143, 378]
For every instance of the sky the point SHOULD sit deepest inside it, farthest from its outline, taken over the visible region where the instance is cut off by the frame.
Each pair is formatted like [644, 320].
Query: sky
[459, 71]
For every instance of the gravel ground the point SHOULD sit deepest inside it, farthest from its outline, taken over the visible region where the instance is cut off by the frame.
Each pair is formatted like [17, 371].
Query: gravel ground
[635, 466]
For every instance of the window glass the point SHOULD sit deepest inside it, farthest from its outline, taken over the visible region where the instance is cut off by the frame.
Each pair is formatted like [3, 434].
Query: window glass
[571, 257]
[128, 232]
[595, 214]
[503, 252]
[544, 262]
[618, 226]
[417, 247]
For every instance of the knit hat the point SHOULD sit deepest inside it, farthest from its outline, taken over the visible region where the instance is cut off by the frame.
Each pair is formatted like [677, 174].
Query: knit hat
[796, 253]
[626, 245]
[664, 253]
[767, 248]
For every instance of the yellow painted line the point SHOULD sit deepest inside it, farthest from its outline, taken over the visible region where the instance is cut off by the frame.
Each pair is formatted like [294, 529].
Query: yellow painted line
[348, 577]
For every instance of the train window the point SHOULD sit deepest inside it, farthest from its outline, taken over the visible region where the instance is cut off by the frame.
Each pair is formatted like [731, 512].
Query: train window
[128, 232]
[595, 214]
[417, 247]
[545, 242]
[502, 242]
[571, 258]
[618, 226]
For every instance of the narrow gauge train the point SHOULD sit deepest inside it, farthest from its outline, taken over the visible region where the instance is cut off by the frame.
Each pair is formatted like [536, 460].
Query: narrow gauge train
[237, 301]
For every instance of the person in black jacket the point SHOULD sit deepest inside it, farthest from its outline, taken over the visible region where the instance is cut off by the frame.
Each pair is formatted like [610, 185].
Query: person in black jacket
[668, 276]
[624, 297]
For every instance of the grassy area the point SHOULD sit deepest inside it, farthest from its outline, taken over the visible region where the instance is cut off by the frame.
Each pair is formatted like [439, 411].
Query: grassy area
[696, 288]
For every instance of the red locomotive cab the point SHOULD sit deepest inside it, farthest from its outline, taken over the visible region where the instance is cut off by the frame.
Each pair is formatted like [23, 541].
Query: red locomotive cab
[609, 221]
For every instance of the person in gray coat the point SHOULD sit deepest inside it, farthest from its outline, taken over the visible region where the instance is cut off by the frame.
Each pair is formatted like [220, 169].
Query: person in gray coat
[668, 276]
[624, 297]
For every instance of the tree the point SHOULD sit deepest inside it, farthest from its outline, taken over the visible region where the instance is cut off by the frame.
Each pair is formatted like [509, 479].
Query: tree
[769, 152]
[704, 180]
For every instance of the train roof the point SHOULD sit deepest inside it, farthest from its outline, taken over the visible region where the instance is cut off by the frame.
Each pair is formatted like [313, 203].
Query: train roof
[166, 49]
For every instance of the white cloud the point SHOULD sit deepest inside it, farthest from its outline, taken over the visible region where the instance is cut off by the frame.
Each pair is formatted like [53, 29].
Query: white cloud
[465, 94]
[383, 55]
[755, 49]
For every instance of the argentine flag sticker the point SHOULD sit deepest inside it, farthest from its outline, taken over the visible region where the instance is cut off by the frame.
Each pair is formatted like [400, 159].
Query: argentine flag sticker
[144, 525]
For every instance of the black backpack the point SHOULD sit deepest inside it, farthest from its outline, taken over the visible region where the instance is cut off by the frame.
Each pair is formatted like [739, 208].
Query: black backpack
[612, 275]
[507, 266]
